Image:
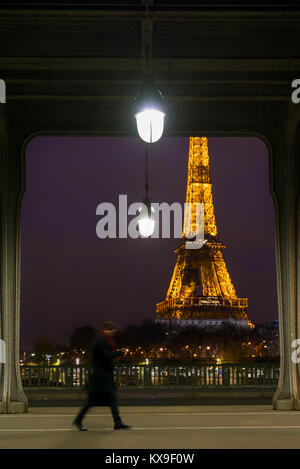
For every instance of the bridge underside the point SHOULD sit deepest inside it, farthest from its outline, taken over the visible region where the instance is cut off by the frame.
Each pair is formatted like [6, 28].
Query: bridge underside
[224, 70]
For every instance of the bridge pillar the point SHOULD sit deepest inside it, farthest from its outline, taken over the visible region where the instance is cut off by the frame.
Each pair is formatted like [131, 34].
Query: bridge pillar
[12, 397]
[286, 180]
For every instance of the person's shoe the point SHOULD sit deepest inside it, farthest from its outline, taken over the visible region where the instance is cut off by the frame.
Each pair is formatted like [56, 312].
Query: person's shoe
[121, 426]
[79, 426]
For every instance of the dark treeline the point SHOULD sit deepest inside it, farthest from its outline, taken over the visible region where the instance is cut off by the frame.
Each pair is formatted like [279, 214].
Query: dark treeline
[153, 341]
[192, 343]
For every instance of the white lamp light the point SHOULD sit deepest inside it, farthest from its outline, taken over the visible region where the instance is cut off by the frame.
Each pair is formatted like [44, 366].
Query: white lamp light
[150, 125]
[149, 116]
[147, 223]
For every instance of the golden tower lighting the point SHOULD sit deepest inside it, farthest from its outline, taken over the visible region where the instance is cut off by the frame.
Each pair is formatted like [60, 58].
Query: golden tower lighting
[201, 287]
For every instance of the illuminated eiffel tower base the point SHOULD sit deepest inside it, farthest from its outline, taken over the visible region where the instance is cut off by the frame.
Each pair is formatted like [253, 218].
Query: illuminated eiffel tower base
[201, 292]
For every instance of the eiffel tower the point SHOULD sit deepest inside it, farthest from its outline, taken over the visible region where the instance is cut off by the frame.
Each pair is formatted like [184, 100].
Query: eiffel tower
[201, 291]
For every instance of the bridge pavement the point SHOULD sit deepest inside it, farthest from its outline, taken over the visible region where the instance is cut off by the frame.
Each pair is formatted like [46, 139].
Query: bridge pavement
[159, 427]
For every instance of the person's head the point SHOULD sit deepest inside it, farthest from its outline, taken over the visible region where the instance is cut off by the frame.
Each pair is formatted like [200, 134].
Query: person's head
[109, 328]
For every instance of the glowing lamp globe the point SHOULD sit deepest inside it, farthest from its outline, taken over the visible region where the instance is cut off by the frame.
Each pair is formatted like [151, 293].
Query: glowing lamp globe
[150, 125]
[149, 116]
[146, 223]
[146, 226]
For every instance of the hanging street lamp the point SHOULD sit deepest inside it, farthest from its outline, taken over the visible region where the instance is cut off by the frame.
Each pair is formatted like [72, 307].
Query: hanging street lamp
[149, 101]
[149, 111]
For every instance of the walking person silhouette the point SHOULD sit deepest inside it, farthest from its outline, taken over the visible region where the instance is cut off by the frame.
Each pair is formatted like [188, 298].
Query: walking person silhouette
[101, 387]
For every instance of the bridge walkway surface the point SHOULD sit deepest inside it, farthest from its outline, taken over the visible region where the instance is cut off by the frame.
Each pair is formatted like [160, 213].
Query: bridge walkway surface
[211, 426]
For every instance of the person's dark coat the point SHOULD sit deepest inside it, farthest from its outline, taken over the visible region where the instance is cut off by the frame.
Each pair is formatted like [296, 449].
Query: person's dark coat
[101, 382]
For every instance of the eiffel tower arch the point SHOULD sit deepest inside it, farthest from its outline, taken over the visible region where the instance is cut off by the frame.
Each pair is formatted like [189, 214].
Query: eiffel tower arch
[201, 291]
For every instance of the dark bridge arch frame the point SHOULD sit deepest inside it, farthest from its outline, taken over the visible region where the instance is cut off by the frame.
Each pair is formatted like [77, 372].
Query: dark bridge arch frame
[92, 95]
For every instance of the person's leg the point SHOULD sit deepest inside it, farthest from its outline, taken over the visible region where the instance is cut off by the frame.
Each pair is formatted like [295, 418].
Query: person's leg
[81, 414]
[118, 424]
[114, 408]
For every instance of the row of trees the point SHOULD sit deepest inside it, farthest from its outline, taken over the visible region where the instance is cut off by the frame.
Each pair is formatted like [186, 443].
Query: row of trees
[153, 341]
[225, 344]
[79, 345]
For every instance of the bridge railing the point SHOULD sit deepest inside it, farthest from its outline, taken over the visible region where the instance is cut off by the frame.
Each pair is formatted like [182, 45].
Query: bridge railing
[142, 376]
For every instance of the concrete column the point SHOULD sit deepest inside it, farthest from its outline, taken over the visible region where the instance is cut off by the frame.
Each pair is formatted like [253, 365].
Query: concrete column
[285, 183]
[12, 397]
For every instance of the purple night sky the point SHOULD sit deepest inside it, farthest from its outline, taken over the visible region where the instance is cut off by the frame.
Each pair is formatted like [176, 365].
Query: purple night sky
[69, 277]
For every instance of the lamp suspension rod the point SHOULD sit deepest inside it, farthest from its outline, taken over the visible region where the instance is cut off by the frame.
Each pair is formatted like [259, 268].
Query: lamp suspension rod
[146, 169]
[148, 37]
